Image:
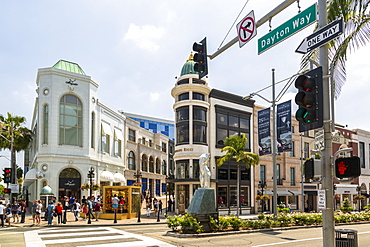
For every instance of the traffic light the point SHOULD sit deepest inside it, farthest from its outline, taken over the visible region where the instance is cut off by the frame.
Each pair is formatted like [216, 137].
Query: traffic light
[310, 100]
[312, 170]
[308, 169]
[347, 167]
[7, 191]
[7, 175]
[200, 57]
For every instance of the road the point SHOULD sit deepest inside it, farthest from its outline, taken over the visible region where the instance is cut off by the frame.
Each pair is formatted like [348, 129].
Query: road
[154, 235]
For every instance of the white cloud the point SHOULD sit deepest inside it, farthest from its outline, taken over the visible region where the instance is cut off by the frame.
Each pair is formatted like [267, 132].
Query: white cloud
[154, 96]
[145, 37]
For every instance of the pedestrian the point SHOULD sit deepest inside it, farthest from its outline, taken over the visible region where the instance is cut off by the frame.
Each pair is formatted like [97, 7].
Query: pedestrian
[2, 213]
[15, 212]
[59, 211]
[169, 206]
[23, 210]
[71, 202]
[121, 203]
[97, 209]
[76, 209]
[65, 207]
[160, 206]
[38, 213]
[50, 212]
[85, 210]
[83, 201]
[8, 214]
[148, 207]
[155, 205]
[115, 202]
[34, 206]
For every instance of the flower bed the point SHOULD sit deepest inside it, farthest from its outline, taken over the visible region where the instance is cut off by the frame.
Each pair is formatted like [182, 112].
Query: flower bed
[188, 224]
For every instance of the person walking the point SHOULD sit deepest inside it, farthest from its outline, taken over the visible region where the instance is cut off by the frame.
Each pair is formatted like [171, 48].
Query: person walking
[160, 205]
[8, 214]
[15, 212]
[65, 207]
[169, 205]
[2, 213]
[76, 209]
[155, 205]
[38, 213]
[148, 207]
[97, 209]
[23, 210]
[50, 212]
[59, 211]
[33, 211]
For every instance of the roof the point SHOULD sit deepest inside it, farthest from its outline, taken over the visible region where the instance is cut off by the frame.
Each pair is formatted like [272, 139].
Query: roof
[69, 66]
[188, 67]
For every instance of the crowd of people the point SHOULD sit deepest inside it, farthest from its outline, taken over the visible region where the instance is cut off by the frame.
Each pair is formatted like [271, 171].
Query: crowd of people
[15, 212]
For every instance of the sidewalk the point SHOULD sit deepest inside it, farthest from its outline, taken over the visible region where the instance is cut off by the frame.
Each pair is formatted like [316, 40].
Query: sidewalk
[104, 222]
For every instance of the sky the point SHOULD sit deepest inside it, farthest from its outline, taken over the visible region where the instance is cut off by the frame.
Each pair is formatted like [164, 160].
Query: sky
[136, 49]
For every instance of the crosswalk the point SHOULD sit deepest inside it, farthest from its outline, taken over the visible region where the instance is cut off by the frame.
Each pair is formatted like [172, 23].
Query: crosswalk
[89, 237]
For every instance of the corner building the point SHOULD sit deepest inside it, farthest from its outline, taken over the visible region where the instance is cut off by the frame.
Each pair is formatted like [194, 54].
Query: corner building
[204, 118]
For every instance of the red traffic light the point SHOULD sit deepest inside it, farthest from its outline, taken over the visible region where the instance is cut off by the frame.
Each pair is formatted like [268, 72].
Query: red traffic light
[7, 170]
[7, 191]
[347, 167]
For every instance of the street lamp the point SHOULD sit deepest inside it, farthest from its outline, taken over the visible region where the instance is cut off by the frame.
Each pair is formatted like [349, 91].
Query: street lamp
[138, 175]
[262, 185]
[90, 175]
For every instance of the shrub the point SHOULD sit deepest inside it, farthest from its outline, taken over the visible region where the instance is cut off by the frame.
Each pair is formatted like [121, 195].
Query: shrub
[236, 223]
[223, 223]
[186, 223]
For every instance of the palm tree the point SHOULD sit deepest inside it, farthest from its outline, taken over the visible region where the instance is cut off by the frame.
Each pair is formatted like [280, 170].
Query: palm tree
[235, 150]
[14, 137]
[355, 14]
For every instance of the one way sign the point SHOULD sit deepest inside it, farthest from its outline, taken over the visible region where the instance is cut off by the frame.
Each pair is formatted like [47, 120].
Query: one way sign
[321, 37]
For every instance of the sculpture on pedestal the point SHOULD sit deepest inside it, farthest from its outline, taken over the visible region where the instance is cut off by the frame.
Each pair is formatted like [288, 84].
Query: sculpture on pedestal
[204, 173]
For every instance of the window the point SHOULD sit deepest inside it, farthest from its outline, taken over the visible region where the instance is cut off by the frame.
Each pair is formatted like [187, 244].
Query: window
[183, 96]
[131, 161]
[46, 125]
[144, 163]
[262, 172]
[70, 121]
[362, 154]
[106, 133]
[164, 167]
[182, 167]
[279, 181]
[164, 147]
[199, 133]
[222, 174]
[292, 152]
[118, 137]
[195, 168]
[92, 130]
[198, 96]
[199, 124]
[157, 166]
[200, 114]
[231, 122]
[150, 143]
[131, 135]
[292, 176]
[182, 125]
[151, 164]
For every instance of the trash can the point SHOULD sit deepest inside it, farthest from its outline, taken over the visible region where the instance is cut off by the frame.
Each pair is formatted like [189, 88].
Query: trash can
[346, 238]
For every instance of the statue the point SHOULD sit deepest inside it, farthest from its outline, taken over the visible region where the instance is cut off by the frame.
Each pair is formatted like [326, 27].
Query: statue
[204, 172]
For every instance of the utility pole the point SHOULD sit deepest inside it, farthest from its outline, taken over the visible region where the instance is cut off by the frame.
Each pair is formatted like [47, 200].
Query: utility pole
[327, 183]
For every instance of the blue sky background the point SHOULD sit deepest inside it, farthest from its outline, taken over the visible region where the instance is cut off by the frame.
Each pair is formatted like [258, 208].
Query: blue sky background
[135, 49]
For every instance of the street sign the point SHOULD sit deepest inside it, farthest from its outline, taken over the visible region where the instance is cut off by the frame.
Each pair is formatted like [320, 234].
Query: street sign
[321, 37]
[287, 29]
[319, 140]
[246, 29]
[321, 202]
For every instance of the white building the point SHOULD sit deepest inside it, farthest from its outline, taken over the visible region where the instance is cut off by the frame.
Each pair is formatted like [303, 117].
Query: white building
[75, 131]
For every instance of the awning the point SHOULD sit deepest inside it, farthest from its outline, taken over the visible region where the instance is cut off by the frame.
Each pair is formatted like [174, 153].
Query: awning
[106, 130]
[295, 192]
[279, 192]
[106, 176]
[119, 178]
[30, 177]
[268, 192]
[118, 134]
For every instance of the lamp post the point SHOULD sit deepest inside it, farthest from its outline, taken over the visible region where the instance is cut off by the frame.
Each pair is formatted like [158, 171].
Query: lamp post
[90, 175]
[138, 175]
[262, 185]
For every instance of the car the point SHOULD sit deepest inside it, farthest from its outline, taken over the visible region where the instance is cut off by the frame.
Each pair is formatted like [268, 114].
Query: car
[286, 141]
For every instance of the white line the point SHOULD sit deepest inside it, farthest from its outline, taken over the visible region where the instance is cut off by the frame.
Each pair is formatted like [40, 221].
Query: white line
[73, 240]
[286, 242]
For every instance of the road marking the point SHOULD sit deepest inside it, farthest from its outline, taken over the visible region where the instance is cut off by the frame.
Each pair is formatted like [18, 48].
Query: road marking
[286, 242]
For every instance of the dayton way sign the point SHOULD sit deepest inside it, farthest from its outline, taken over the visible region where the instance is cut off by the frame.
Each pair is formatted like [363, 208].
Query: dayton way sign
[321, 37]
[287, 29]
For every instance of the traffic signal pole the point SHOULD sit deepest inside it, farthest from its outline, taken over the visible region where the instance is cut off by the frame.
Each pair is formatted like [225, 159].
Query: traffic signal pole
[327, 183]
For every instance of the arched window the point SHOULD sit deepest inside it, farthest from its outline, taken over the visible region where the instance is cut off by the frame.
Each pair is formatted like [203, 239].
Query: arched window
[46, 125]
[144, 163]
[151, 164]
[131, 161]
[157, 166]
[70, 122]
[164, 167]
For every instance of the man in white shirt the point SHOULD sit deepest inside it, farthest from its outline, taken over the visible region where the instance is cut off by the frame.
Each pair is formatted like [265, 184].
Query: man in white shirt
[115, 202]
[2, 212]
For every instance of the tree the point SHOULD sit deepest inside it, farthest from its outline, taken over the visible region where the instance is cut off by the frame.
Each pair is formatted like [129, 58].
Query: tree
[13, 131]
[356, 33]
[235, 150]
